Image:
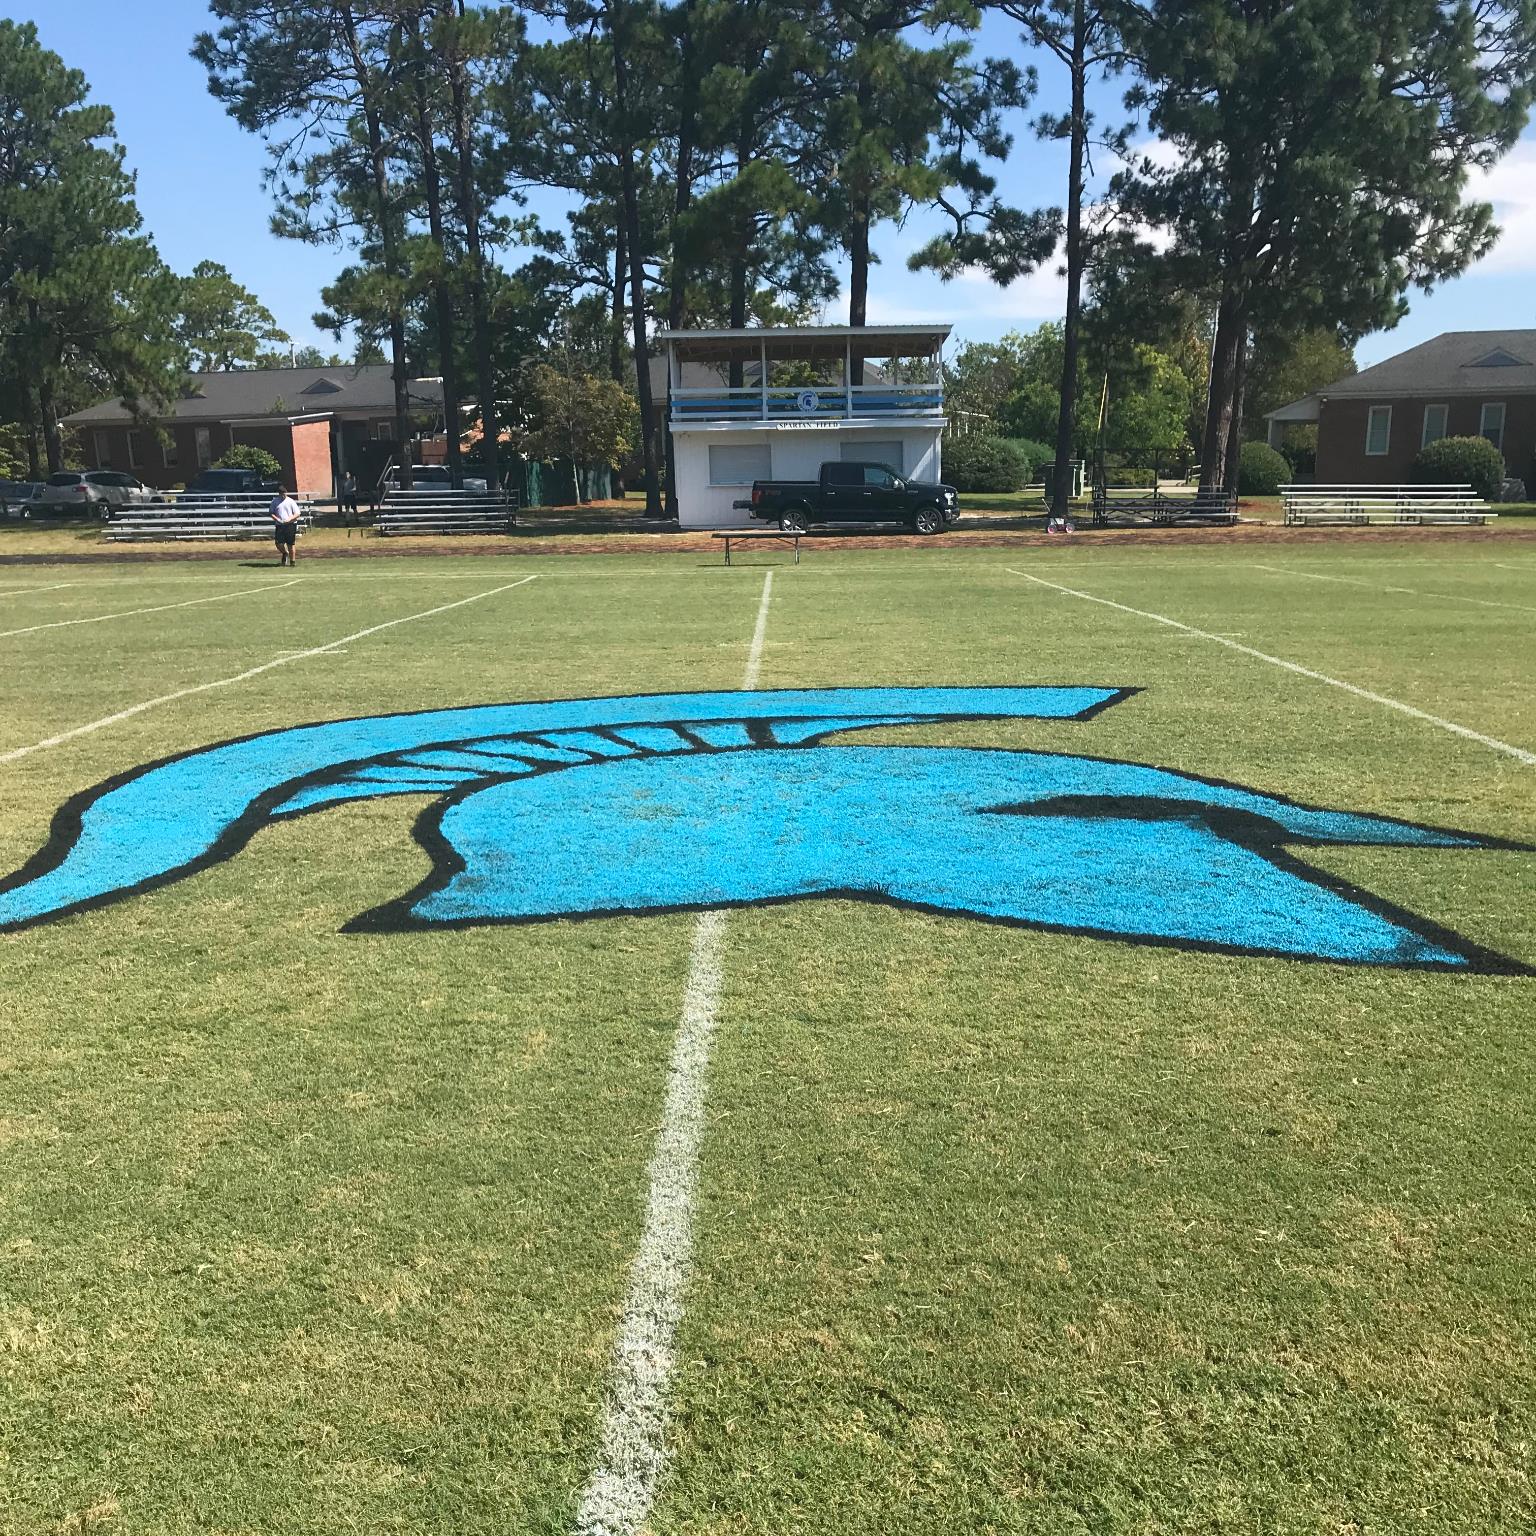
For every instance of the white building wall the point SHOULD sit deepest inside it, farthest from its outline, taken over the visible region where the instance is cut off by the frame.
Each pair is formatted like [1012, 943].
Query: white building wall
[796, 452]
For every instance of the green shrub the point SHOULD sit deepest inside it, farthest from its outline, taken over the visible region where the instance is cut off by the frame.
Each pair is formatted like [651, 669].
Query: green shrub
[980, 462]
[246, 456]
[1261, 471]
[1131, 477]
[1470, 461]
[1036, 455]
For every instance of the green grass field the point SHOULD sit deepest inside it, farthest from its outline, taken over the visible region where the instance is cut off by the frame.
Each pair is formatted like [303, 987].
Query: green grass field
[996, 1230]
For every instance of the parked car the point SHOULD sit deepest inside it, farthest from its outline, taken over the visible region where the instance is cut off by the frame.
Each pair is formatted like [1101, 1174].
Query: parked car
[854, 492]
[93, 491]
[434, 477]
[217, 487]
[16, 496]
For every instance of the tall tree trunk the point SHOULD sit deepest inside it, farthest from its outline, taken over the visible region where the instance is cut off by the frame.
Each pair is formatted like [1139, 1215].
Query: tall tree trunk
[739, 286]
[616, 323]
[442, 298]
[53, 437]
[469, 212]
[1235, 425]
[858, 245]
[682, 198]
[31, 416]
[1061, 485]
[1218, 411]
[858, 283]
[631, 195]
[388, 249]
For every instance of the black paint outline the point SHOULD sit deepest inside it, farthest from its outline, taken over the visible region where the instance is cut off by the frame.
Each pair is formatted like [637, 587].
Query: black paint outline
[65, 827]
[1248, 830]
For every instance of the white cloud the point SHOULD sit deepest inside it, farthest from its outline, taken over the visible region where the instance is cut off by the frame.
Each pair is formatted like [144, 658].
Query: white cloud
[1511, 187]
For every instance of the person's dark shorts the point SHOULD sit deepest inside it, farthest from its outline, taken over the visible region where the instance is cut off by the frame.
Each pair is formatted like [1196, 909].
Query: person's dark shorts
[285, 534]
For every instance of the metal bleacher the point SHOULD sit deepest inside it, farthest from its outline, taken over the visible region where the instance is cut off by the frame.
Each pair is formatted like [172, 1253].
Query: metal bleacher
[1359, 505]
[1160, 508]
[184, 515]
[442, 510]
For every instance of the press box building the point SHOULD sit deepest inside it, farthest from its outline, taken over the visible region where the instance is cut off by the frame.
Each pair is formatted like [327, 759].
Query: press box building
[775, 403]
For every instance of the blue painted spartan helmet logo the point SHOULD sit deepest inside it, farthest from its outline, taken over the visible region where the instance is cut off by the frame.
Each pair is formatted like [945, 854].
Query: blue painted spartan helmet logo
[592, 807]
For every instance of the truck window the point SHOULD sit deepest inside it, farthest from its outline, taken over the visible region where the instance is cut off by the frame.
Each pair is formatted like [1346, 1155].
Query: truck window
[879, 475]
[843, 474]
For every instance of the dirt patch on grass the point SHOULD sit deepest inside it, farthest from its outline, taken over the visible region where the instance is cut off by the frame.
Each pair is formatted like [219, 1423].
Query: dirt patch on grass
[998, 536]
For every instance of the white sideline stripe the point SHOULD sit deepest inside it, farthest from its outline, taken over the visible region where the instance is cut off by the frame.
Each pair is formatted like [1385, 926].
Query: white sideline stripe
[1518, 753]
[1374, 586]
[22, 591]
[128, 613]
[240, 677]
[632, 1449]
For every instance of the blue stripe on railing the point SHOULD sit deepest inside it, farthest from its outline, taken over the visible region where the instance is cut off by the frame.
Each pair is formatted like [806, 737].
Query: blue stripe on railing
[750, 407]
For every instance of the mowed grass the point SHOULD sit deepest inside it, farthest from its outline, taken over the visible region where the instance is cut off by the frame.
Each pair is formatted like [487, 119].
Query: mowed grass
[998, 1231]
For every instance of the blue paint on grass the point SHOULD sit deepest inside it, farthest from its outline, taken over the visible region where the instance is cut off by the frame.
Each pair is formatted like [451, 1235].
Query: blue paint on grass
[593, 806]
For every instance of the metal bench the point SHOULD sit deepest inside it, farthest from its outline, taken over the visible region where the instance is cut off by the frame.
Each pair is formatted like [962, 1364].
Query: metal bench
[1362, 505]
[446, 511]
[180, 516]
[1160, 508]
[783, 535]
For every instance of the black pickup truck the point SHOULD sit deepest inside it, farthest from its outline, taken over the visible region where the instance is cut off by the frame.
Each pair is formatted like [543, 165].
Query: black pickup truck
[853, 492]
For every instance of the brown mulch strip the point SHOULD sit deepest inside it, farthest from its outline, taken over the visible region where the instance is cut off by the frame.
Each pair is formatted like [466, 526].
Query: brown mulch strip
[530, 543]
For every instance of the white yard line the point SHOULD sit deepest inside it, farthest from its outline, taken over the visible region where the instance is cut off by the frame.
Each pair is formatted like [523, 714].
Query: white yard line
[759, 631]
[240, 677]
[1374, 586]
[128, 613]
[632, 1448]
[1518, 753]
[58, 586]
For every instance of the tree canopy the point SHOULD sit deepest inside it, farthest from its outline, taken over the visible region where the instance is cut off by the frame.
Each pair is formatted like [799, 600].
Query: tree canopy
[220, 324]
[87, 307]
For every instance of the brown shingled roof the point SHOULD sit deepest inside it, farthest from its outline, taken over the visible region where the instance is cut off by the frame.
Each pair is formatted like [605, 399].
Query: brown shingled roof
[279, 392]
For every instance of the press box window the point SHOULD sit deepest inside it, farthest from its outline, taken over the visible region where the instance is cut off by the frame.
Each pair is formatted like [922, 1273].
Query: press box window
[739, 463]
[1378, 431]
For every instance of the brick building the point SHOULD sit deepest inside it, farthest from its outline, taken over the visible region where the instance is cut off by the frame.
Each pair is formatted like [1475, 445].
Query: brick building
[1372, 425]
[316, 422]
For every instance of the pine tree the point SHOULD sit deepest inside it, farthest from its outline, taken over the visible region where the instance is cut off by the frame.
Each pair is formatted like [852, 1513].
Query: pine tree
[86, 304]
[223, 325]
[902, 122]
[1318, 157]
[314, 78]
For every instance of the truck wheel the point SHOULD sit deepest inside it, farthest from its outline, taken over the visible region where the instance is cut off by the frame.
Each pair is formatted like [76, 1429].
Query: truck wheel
[927, 520]
[793, 520]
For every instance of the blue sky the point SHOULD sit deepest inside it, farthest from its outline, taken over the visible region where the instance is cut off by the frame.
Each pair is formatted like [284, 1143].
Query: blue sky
[200, 191]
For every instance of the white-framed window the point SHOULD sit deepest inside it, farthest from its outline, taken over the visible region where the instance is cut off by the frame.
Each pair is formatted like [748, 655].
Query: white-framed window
[1434, 424]
[204, 439]
[1491, 423]
[100, 443]
[739, 463]
[168, 450]
[1378, 430]
[885, 451]
[135, 449]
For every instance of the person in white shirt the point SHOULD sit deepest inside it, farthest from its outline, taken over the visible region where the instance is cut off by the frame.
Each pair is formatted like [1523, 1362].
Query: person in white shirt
[285, 526]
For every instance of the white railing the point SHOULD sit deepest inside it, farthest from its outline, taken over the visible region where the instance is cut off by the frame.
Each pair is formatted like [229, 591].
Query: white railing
[756, 402]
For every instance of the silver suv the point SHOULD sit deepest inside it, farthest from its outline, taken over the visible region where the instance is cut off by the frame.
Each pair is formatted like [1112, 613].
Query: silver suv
[90, 490]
